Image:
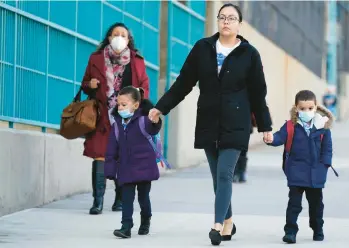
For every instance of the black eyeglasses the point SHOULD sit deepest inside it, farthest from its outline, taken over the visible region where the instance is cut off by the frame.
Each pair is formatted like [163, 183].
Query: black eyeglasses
[230, 19]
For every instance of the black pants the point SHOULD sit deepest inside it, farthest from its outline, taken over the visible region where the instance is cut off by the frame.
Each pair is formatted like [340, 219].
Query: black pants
[316, 209]
[128, 197]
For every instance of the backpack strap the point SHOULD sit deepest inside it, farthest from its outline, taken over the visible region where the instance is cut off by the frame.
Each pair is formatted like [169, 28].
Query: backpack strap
[116, 131]
[150, 139]
[290, 133]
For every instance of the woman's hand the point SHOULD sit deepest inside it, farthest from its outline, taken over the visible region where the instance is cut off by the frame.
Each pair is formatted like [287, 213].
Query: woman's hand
[154, 115]
[94, 83]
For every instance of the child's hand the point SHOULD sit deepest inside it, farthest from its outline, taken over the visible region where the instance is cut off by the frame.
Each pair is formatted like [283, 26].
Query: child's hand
[155, 119]
[268, 137]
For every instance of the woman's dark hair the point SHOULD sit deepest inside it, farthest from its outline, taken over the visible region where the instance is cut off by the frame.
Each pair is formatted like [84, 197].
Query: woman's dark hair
[137, 94]
[237, 8]
[105, 42]
[305, 95]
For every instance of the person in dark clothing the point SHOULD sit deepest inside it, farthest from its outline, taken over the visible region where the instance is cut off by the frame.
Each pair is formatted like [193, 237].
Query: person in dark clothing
[232, 85]
[241, 165]
[115, 65]
[307, 163]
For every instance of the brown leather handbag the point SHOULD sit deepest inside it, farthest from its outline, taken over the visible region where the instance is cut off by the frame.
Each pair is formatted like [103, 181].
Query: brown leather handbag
[79, 117]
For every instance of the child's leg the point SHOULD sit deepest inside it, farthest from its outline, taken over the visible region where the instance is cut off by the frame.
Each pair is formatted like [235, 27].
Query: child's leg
[128, 196]
[144, 199]
[293, 209]
[316, 209]
[144, 202]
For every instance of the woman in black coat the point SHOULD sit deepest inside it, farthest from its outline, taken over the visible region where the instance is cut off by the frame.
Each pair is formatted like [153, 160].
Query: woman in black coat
[232, 86]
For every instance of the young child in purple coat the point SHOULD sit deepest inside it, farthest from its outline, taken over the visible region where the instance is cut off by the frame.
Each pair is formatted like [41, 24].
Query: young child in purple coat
[131, 158]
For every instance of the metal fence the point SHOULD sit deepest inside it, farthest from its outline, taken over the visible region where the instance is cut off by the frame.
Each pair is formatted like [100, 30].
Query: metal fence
[45, 46]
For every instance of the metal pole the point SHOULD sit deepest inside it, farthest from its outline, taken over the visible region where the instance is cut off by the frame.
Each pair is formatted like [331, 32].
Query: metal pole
[332, 48]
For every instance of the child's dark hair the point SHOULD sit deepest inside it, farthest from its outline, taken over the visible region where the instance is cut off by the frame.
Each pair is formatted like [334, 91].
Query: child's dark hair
[305, 95]
[137, 94]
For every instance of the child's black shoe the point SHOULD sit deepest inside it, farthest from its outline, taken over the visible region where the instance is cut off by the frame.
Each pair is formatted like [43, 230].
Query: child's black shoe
[318, 236]
[145, 226]
[289, 238]
[124, 232]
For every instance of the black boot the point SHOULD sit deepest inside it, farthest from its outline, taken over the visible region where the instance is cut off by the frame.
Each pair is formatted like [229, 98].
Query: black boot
[318, 235]
[289, 238]
[145, 226]
[117, 206]
[98, 186]
[243, 164]
[124, 232]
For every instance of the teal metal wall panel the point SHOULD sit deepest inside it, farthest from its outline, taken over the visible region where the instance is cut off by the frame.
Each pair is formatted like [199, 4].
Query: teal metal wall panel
[7, 36]
[31, 44]
[37, 8]
[196, 30]
[136, 30]
[63, 13]
[83, 52]
[61, 54]
[152, 13]
[89, 19]
[6, 89]
[30, 97]
[153, 82]
[179, 53]
[152, 43]
[110, 16]
[60, 94]
[118, 4]
[45, 47]
[135, 8]
[198, 6]
[9, 2]
[180, 24]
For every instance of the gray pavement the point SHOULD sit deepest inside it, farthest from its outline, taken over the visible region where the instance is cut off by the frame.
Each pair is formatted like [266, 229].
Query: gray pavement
[183, 206]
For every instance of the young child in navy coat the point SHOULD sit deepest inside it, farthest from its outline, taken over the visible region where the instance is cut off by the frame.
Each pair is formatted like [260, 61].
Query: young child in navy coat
[307, 163]
[131, 158]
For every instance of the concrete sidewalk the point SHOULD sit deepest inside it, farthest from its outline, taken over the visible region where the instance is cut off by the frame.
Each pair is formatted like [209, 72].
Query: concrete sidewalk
[182, 211]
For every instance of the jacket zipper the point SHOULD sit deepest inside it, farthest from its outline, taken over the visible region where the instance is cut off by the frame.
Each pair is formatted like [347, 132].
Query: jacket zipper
[217, 75]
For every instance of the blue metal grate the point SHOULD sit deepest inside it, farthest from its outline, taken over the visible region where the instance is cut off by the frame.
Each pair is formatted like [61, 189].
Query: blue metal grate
[45, 46]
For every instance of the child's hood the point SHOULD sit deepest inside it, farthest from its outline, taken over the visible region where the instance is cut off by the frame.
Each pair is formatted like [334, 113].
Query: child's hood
[323, 117]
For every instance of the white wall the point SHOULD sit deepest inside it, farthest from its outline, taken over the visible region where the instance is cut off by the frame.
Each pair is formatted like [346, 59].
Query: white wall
[38, 168]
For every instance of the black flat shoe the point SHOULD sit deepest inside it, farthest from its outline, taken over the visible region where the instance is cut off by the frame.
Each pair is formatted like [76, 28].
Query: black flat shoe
[228, 237]
[215, 237]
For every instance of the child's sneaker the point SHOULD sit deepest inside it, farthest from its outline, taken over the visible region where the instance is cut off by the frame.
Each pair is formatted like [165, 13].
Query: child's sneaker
[318, 236]
[289, 238]
[124, 232]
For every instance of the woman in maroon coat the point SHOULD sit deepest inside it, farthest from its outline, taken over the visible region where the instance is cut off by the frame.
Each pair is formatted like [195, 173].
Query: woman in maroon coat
[114, 65]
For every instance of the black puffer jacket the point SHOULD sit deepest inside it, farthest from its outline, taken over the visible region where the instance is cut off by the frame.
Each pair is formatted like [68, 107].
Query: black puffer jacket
[226, 100]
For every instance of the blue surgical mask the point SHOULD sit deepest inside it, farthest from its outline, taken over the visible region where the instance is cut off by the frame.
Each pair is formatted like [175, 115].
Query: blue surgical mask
[306, 116]
[125, 113]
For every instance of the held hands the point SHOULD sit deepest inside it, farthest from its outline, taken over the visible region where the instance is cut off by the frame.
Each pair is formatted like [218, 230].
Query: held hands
[94, 83]
[154, 115]
[268, 137]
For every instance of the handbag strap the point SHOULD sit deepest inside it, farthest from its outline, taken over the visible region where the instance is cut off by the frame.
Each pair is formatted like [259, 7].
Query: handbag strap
[77, 97]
